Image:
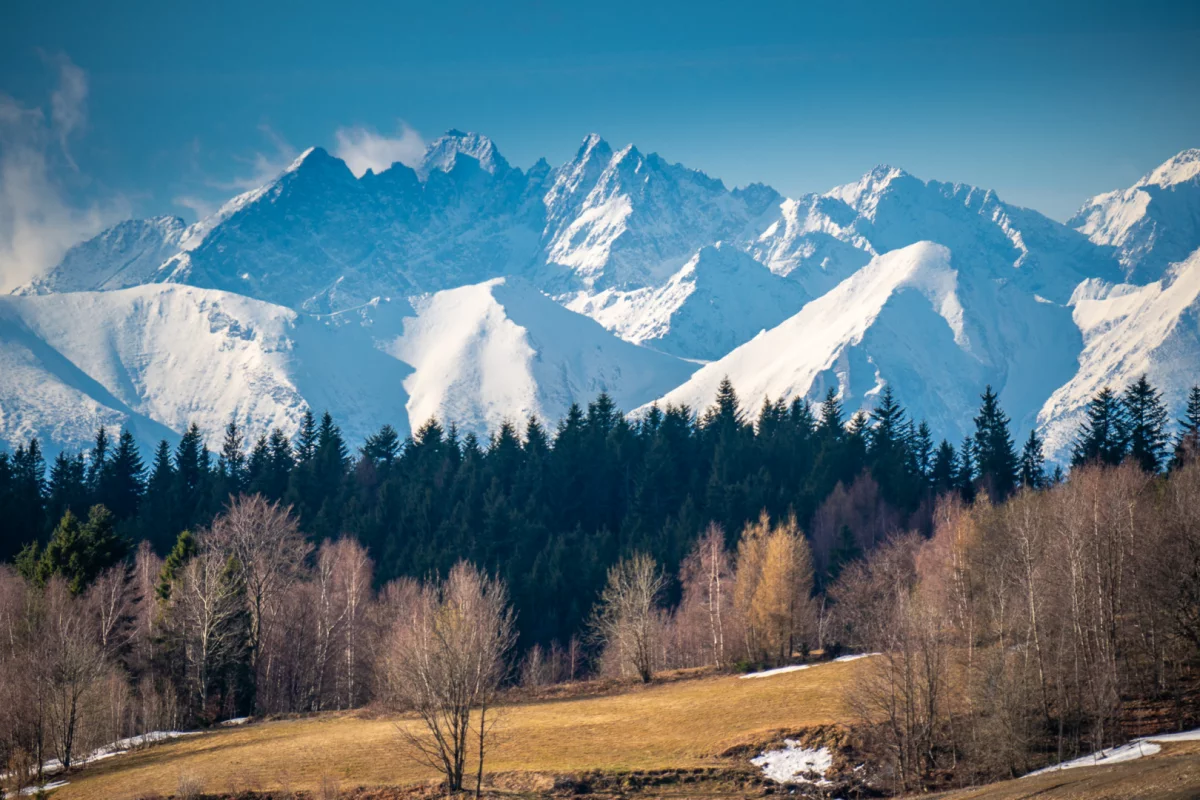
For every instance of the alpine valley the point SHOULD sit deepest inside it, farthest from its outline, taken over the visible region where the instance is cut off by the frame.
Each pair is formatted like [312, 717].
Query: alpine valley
[475, 291]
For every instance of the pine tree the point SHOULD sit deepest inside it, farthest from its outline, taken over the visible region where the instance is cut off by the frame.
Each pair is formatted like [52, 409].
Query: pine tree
[157, 514]
[306, 439]
[995, 458]
[67, 489]
[964, 476]
[1146, 419]
[383, 448]
[943, 477]
[1103, 435]
[1187, 445]
[831, 425]
[81, 552]
[1033, 463]
[122, 479]
[98, 457]
[231, 463]
[184, 549]
[922, 450]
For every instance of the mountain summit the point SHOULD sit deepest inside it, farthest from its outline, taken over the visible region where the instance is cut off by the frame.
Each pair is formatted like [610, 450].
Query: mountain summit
[621, 271]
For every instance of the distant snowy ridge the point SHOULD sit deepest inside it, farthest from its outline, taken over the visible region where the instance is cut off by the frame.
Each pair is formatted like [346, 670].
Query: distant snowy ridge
[936, 289]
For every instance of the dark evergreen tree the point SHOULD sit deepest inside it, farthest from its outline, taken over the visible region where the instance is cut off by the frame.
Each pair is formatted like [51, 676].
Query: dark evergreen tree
[67, 489]
[96, 460]
[995, 459]
[1146, 424]
[943, 477]
[1187, 444]
[1033, 463]
[306, 440]
[232, 468]
[967, 472]
[81, 552]
[122, 479]
[181, 553]
[1103, 436]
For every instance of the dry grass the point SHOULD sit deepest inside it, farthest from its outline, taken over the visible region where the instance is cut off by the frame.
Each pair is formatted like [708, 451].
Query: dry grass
[1173, 774]
[683, 724]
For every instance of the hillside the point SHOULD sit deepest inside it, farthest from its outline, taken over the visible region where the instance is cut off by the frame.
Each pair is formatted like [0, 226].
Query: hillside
[681, 725]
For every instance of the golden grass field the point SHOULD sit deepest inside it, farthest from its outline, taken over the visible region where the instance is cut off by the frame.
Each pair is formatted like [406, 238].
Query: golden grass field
[671, 725]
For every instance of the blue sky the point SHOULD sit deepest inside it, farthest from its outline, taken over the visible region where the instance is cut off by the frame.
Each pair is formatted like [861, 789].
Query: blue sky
[149, 108]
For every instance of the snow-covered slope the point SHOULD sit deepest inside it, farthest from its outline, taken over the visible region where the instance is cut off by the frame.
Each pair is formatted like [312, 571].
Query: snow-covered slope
[158, 357]
[936, 288]
[501, 350]
[624, 220]
[127, 254]
[715, 302]
[910, 319]
[1153, 223]
[1130, 330]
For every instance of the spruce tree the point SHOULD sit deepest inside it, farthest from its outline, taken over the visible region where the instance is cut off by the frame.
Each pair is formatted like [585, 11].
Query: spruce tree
[831, 425]
[122, 479]
[97, 459]
[157, 515]
[80, 552]
[181, 553]
[67, 489]
[231, 463]
[943, 477]
[1146, 421]
[995, 460]
[1033, 463]
[1187, 445]
[306, 439]
[965, 474]
[1103, 436]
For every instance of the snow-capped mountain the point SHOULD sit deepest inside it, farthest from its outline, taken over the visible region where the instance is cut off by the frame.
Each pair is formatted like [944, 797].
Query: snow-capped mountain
[912, 320]
[127, 254]
[935, 288]
[715, 302]
[502, 350]
[1129, 331]
[1154, 223]
[158, 357]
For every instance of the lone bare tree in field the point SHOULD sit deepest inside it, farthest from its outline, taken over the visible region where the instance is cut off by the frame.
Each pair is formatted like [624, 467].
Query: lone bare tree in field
[627, 616]
[447, 661]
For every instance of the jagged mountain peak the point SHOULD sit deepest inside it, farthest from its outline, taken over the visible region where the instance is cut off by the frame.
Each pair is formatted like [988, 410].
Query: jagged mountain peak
[1180, 168]
[1152, 224]
[443, 153]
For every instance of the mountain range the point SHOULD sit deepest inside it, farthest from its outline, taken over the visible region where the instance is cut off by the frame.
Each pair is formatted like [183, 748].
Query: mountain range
[469, 289]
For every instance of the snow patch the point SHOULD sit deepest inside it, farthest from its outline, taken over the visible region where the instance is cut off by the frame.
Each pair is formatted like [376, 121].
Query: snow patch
[796, 764]
[1144, 746]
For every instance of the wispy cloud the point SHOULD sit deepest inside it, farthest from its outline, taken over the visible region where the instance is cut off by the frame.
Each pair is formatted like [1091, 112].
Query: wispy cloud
[38, 221]
[197, 205]
[264, 165]
[362, 148]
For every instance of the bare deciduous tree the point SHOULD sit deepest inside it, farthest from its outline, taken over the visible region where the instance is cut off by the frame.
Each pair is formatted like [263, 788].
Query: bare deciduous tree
[627, 619]
[446, 662]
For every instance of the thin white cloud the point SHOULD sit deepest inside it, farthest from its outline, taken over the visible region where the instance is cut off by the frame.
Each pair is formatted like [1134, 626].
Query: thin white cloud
[197, 205]
[68, 103]
[263, 165]
[38, 221]
[362, 148]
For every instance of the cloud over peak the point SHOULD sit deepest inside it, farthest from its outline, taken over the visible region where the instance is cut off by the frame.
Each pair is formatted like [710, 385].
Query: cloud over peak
[363, 148]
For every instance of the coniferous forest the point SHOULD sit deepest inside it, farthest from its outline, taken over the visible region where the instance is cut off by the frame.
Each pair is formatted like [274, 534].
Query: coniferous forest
[268, 576]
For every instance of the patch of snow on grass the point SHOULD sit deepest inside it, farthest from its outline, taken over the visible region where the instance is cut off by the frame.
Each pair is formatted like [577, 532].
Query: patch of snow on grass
[795, 764]
[1145, 746]
[767, 673]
